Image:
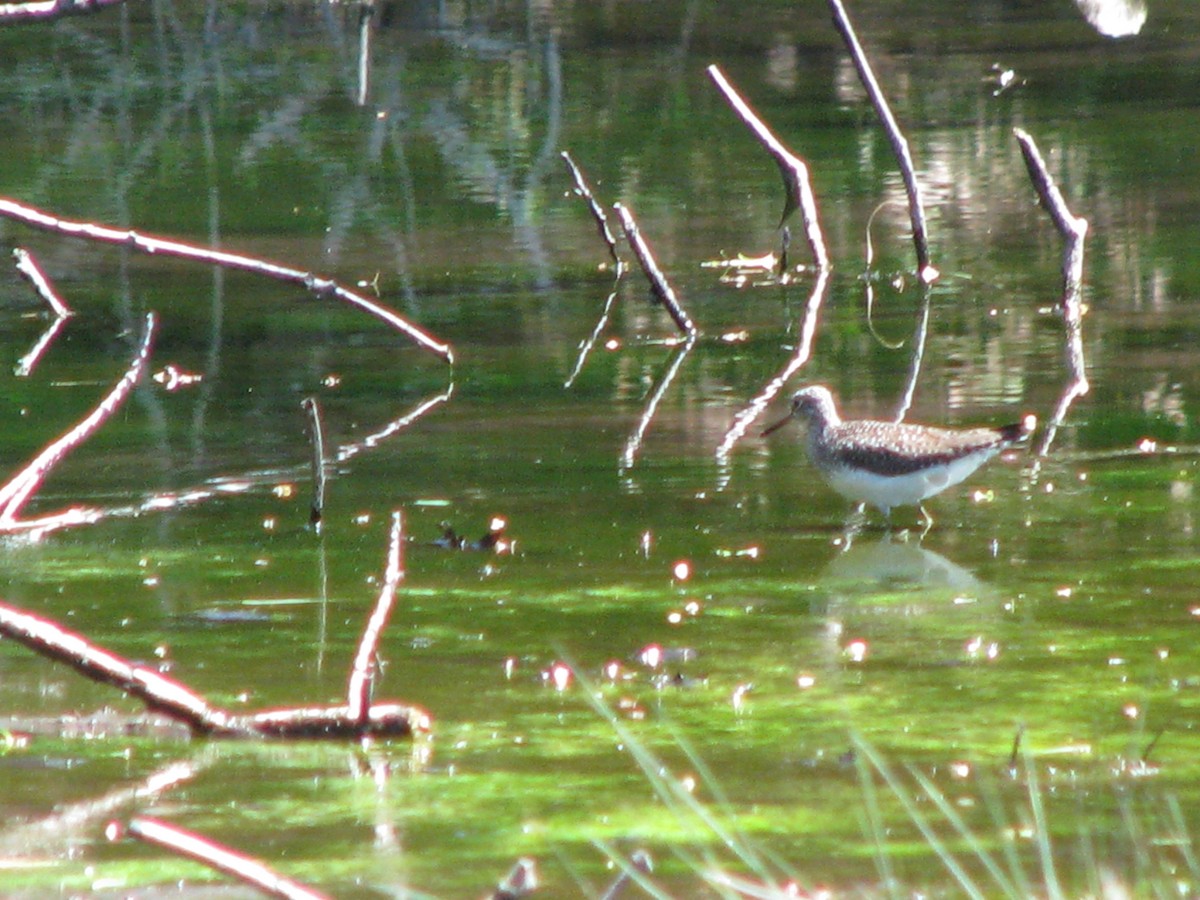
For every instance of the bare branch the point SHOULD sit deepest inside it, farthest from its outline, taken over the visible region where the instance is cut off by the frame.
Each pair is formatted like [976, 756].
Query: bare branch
[162, 694]
[925, 271]
[796, 182]
[318, 285]
[659, 285]
[586, 347]
[177, 701]
[584, 190]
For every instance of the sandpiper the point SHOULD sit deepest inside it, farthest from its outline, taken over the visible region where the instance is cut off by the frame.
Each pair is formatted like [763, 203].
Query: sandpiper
[891, 464]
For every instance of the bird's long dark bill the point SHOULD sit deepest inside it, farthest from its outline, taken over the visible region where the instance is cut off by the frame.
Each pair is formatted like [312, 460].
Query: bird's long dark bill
[773, 428]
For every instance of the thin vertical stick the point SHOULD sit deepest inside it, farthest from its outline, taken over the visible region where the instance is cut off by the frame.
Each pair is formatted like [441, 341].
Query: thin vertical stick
[925, 271]
[316, 434]
[795, 173]
[366, 13]
[358, 695]
[659, 285]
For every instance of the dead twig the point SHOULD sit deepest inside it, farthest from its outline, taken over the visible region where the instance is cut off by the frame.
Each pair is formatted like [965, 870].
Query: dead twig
[916, 211]
[1074, 231]
[796, 183]
[17, 492]
[316, 436]
[582, 189]
[357, 719]
[659, 286]
[215, 856]
[318, 285]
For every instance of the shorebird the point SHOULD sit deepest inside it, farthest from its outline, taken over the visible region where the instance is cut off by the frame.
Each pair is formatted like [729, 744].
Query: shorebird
[890, 464]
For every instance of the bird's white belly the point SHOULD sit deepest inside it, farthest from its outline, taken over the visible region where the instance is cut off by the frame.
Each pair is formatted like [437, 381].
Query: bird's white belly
[887, 491]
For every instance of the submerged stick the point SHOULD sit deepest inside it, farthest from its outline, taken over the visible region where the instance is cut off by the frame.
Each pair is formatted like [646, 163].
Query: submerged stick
[29, 268]
[659, 285]
[1074, 231]
[796, 183]
[365, 668]
[916, 211]
[17, 492]
[583, 190]
[216, 856]
[316, 435]
[318, 285]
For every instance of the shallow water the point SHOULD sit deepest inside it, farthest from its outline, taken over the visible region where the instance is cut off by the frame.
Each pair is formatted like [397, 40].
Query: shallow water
[1057, 600]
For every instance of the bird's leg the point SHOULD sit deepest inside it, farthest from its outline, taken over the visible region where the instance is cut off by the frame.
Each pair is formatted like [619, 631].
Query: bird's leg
[928, 521]
[853, 527]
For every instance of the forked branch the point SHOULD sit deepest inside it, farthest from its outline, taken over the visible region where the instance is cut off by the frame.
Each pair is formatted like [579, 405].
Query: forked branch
[356, 720]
